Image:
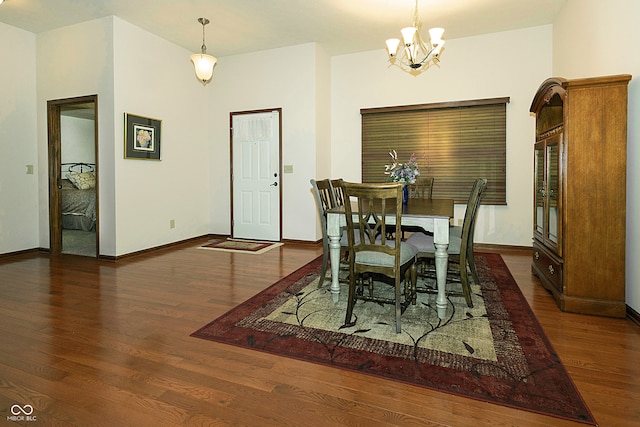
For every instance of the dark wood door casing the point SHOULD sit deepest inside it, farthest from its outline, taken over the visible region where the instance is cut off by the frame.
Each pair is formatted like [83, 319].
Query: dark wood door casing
[54, 108]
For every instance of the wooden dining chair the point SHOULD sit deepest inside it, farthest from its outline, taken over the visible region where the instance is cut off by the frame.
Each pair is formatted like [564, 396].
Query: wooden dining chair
[372, 254]
[338, 200]
[338, 191]
[422, 189]
[460, 243]
[323, 195]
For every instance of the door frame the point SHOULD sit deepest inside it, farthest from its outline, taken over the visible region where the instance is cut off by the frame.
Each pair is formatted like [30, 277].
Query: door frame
[54, 109]
[231, 156]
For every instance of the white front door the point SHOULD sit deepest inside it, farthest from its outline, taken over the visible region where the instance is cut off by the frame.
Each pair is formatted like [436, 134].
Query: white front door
[255, 180]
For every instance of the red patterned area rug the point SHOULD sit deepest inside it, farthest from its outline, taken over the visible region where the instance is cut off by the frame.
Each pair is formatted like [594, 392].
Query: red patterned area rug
[495, 352]
[243, 246]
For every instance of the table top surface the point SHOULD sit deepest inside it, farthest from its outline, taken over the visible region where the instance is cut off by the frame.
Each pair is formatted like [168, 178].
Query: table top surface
[416, 207]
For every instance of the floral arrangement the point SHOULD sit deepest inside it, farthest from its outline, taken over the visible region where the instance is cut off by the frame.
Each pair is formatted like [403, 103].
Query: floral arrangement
[402, 172]
[143, 138]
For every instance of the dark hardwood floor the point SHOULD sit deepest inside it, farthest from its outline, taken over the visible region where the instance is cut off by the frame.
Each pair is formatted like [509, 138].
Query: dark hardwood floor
[97, 343]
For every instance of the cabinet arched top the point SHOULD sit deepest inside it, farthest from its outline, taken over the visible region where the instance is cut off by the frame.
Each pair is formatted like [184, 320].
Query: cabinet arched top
[550, 87]
[559, 86]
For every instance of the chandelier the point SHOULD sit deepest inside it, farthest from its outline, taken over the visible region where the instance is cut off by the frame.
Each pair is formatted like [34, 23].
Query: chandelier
[202, 62]
[416, 53]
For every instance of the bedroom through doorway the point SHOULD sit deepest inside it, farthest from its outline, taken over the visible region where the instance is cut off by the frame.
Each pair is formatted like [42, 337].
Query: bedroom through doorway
[73, 172]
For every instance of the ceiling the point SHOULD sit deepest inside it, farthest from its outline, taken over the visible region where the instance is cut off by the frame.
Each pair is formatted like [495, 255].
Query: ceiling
[243, 26]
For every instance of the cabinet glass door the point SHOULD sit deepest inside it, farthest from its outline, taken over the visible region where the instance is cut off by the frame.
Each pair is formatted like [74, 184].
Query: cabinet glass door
[539, 190]
[552, 192]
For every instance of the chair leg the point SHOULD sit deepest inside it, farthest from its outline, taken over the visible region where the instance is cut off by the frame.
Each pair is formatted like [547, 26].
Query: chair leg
[325, 262]
[414, 284]
[474, 271]
[351, 299]
[410, 286]
[398, 306]
[466, 288]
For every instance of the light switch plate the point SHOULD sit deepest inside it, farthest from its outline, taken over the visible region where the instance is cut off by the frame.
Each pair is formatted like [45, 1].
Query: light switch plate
[288, 168]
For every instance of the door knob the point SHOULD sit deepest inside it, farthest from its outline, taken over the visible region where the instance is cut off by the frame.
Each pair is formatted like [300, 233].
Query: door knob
[275, 184]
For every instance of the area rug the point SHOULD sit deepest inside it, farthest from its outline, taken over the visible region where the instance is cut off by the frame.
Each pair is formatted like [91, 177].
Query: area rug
[244, 246]
[495, 352]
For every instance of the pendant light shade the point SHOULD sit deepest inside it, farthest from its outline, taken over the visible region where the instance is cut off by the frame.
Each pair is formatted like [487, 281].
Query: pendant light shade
[203, 63]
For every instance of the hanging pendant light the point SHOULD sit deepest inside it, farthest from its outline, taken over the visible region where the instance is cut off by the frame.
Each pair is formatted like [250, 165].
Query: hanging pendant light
[415, 52]
[203, 63]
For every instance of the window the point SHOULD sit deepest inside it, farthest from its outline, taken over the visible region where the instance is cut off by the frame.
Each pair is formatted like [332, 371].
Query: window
[455, 142]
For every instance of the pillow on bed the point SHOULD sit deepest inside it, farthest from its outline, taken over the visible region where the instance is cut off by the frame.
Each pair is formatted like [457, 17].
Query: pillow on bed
[65, 184]
[83, 180]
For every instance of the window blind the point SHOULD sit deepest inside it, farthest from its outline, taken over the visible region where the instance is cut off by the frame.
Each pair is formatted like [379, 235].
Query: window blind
[454, 142]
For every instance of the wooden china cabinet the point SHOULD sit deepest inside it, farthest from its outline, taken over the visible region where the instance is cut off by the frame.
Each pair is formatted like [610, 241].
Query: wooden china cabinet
[580, 192]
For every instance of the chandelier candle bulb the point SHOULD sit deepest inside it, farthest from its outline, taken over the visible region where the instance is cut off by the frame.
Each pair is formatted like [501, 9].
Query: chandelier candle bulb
[407, 35]
[436, 35]
[392, 46]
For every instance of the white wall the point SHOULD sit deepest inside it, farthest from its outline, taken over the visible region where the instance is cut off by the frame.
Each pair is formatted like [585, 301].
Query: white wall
[136, 72]
[286, 78]
[154, 78]
[323, 96]
[323, 126]
[509, 64]
[18, 135]
[595, 38]
[78, 140]
[77, 61]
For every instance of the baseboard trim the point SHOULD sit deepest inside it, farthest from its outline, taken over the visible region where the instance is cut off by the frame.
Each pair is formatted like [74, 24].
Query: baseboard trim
[633, 315]
[172, 245]
[302, 242]
[17, 253]
[485, 247]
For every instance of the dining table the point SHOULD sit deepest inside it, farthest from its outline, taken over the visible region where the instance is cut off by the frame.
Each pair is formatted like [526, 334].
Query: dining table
[432, 215]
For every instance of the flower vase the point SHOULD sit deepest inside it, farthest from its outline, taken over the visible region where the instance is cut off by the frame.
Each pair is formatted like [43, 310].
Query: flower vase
[405, 194]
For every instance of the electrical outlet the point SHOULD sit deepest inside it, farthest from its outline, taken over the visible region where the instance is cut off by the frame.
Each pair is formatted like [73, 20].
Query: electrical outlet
[29, 169]
[460, 222]
[172, 223]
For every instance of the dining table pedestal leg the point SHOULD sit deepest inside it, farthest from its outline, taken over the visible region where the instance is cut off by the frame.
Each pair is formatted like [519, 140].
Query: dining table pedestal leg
[441, 242]
[441, 258]
[334, 256]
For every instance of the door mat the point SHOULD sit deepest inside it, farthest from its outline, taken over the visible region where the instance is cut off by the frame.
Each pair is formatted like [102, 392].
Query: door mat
[242, 246]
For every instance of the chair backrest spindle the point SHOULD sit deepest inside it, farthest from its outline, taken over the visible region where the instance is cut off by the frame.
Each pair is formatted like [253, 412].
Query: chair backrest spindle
[422, 189]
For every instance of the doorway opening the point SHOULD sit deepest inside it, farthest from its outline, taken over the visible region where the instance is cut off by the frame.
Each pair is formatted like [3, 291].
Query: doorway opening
[73, 176]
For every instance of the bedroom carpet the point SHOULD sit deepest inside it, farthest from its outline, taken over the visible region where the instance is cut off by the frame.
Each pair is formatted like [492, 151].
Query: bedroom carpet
[495, 352]
[78, 242]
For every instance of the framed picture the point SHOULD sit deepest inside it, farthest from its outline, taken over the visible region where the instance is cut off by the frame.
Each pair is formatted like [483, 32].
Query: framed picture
[141, 137]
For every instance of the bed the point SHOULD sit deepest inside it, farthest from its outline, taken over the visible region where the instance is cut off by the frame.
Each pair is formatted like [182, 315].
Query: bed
[78, 188]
